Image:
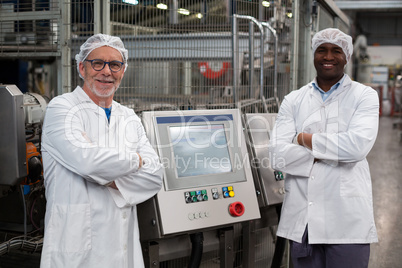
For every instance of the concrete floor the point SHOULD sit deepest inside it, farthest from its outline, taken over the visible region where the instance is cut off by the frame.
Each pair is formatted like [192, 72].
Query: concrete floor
[385, 161]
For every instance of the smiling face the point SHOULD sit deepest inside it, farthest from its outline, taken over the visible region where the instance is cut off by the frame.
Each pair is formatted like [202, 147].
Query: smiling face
[101, 85]
[329, 61]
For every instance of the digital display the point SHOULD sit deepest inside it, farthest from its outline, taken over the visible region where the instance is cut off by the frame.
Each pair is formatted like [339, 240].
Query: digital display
[200, 149]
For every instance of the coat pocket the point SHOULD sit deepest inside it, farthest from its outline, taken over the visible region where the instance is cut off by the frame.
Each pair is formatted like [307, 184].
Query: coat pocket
[69, 228]
[354, 187]
[355, 180]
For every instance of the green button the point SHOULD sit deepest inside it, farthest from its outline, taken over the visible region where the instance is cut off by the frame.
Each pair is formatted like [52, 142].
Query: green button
[205, 197]
[203, 191]
[194, 198]
[192, 193]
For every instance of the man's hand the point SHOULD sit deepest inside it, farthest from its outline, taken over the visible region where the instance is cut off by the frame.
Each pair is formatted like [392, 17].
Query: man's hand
[113, 185]
[305, 139]
[139, 161]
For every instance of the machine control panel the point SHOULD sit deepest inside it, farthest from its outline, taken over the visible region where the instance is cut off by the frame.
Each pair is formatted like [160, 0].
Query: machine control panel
[207, 175]
[196, 196]
[278, 175]
[269, 182]
[236, 209]
[215, 193]
[202, 195]
[228, 192]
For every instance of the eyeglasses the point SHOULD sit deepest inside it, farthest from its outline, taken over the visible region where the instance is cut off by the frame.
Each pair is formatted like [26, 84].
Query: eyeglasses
[98, 65]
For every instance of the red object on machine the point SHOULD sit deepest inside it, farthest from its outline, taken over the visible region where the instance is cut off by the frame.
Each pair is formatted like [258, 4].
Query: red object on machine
[212, 70]
[236, 209]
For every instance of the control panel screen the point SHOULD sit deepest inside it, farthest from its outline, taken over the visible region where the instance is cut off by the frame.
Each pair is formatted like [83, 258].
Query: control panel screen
[200, 150]
[207, 181]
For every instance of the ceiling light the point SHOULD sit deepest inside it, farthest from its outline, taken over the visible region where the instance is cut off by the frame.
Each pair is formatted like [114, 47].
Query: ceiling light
[162, 6]
[199, 15]
[133, 2]
[183, 11]
[265, 4]
[290, 15]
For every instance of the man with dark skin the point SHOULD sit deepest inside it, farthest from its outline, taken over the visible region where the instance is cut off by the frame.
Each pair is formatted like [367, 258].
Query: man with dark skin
[321, 138]
[329, 62]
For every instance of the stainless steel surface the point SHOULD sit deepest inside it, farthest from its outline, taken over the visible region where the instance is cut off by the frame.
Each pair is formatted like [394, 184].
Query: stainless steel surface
[173, 211]
[258, 128]
[12, 132]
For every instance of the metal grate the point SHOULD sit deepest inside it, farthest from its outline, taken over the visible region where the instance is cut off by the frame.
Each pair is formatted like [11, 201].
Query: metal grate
[28, 27]
[181, 52]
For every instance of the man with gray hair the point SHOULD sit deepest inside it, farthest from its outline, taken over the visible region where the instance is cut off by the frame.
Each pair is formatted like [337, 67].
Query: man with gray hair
[98, 165]
[321, 138]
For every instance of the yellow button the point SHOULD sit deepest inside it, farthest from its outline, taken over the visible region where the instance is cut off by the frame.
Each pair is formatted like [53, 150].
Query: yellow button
[231, 194]
[230, 188]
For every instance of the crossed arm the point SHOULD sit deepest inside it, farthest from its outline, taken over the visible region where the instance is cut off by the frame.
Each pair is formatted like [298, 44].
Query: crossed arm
[350, 144]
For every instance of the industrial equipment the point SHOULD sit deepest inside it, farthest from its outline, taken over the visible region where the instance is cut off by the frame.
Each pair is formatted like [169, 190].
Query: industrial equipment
[217, 175]
[22, 199]
[218, 186]
[208, 180]
[208, 185]
[269, 183]
[22, 117]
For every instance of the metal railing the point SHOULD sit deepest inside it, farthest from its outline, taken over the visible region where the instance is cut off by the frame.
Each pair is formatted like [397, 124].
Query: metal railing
[261, 26]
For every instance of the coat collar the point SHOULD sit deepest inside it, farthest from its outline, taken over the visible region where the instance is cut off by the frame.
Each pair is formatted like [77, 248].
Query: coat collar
[345, 85]
[84, 99]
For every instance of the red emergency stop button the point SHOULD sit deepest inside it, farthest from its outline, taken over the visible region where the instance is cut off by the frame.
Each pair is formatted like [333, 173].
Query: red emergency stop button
[236, 209]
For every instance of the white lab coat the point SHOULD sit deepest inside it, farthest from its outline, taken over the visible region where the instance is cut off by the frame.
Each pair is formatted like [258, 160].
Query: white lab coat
[88, 224]
[334, 195]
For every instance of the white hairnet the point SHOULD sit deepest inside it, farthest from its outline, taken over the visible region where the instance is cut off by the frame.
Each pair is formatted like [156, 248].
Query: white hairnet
[336, 37]
[100, 40]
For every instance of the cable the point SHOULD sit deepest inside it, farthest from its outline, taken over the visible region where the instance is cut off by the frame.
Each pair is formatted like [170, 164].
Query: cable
[22, 244]
[280, 245]
[31, 214]
[25, 210]
[197, 241]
